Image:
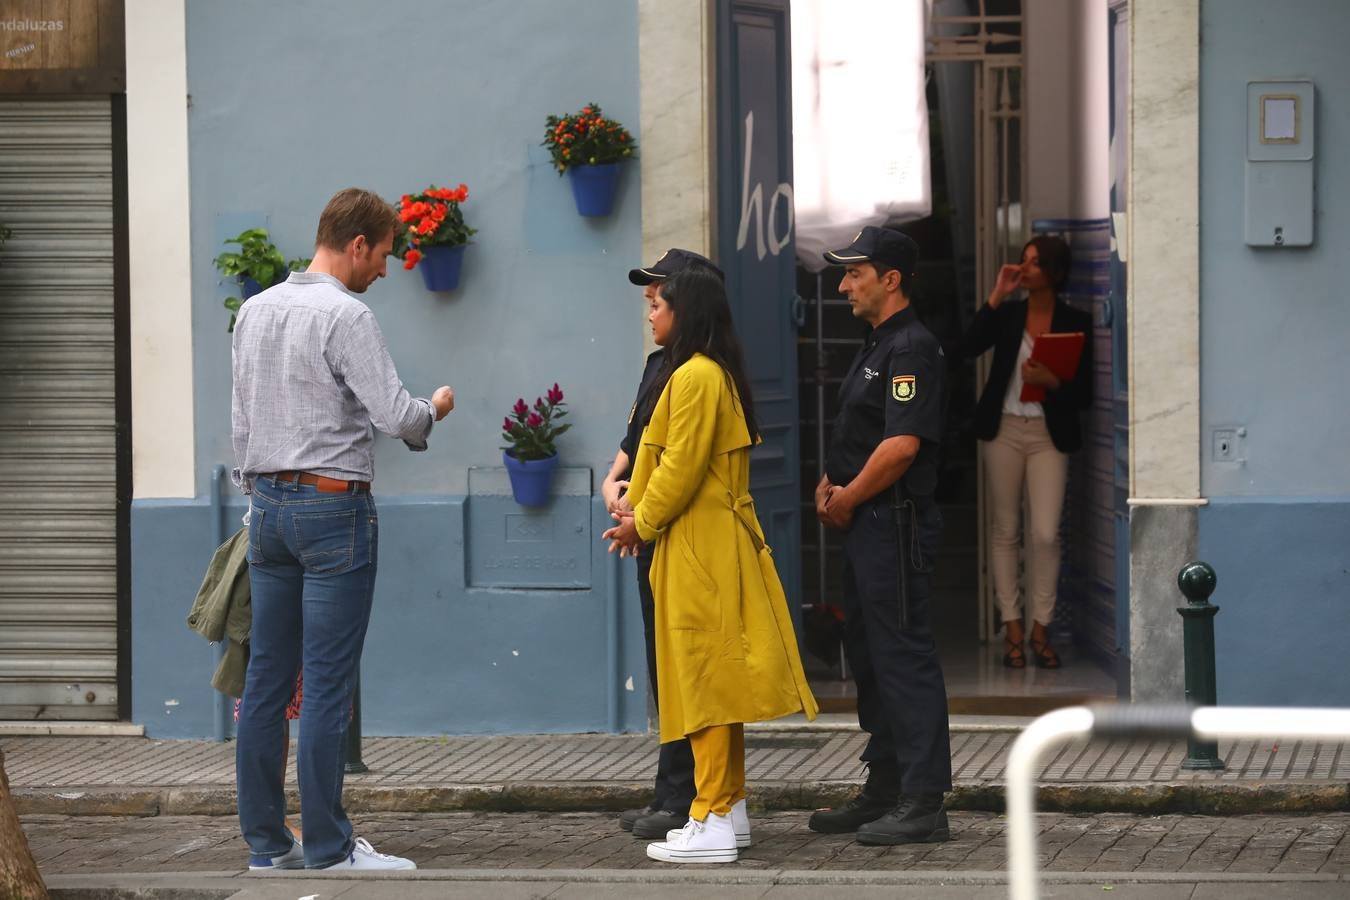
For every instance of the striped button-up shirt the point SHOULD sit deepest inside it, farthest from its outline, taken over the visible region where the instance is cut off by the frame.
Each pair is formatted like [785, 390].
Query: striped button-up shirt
[312, 380]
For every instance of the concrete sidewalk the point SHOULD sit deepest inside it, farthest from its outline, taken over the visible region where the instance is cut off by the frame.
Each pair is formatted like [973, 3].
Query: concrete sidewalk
[787, 769]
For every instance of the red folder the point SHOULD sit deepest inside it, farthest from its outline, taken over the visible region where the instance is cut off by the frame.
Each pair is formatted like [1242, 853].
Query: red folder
[1060, 354]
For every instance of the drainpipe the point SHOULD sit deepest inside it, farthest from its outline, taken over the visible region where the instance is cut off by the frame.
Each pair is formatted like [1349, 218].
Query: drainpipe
[223, 709]
[612, 638]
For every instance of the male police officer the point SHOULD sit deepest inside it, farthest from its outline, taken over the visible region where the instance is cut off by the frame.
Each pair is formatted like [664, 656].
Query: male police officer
[675, 765]
[880, 474]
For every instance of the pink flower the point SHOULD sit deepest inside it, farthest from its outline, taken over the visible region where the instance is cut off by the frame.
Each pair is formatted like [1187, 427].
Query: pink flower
[520, 408]
[534, 421]
[539, 403]
[555, 394]
[506, 424]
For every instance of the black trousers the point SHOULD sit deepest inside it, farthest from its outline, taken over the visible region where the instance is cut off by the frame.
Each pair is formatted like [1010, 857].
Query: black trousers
[675, 766]
[902, 698]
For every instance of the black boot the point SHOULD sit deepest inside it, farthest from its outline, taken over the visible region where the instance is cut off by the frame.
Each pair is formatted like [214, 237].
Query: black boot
[878, 797]
[851, 816]
[630, 816]
[655, 826]
[917, 820]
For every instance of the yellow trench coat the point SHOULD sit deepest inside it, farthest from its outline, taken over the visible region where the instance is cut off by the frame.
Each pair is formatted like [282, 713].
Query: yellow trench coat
[725, 647]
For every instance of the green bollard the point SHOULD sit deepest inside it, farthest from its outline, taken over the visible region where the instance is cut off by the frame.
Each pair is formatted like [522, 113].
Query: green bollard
[354, 764]
[1197, 581]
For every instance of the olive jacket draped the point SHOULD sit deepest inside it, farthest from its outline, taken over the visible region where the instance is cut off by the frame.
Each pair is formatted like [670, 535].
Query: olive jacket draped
[726, 650]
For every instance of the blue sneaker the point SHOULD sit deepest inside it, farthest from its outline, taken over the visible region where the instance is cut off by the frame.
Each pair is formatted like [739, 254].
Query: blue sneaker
[293, 858]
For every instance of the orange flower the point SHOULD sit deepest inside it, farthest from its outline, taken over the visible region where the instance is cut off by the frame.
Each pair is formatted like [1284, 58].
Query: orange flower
[439, 212]
[411, 258]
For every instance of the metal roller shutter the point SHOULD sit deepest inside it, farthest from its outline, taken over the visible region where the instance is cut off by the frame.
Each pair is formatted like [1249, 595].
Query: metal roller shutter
[58, 527]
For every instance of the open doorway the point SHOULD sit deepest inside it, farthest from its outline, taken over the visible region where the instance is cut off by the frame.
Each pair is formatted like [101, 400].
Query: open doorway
[977, 104]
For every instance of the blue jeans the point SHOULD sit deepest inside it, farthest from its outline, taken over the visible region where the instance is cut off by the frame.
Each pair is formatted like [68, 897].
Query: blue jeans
[312, 560]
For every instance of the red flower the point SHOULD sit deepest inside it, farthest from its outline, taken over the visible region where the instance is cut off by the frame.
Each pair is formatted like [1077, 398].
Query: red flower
[506, 424]
[520, 408]
[534, 421]
[555, 394]
[412, 258]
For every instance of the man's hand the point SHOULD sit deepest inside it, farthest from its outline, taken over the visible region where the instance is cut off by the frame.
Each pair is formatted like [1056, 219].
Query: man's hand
[822, 493]
[611, 492]
[838, 509]
[443, 400]
[1035, 372]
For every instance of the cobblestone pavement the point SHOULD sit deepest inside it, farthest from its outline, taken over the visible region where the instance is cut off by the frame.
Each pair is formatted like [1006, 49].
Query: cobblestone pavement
[1281, 845]
[807, 756]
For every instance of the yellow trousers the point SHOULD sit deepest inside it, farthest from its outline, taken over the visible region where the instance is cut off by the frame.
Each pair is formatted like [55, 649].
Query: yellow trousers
[719, 769]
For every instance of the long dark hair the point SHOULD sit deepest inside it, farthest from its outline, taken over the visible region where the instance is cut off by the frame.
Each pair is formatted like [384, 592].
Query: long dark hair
[698, 300]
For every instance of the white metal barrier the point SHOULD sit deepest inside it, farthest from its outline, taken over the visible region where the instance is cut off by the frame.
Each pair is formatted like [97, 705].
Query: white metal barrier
[1206, 723]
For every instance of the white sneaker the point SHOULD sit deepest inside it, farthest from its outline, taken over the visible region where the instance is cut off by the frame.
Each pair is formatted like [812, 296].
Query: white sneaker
[364, 858]
[293, 858]
[740, 823]
[709, 841]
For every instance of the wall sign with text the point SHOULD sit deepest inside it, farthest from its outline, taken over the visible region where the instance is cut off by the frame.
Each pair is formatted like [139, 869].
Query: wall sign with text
[72, 47]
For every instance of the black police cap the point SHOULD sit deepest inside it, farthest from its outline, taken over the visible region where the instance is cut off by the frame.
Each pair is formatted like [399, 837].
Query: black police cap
[671, 261]
[883, 245]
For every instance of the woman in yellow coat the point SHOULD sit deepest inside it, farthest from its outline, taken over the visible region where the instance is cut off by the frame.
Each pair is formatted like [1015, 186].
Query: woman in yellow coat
[726, 652]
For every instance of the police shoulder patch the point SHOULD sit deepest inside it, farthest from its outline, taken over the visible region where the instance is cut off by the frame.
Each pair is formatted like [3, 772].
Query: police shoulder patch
[902, 388]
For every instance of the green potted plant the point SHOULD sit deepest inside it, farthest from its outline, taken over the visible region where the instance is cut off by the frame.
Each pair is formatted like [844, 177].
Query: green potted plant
[530, 455]
[589, 149]
[437, 235]
[256, 266]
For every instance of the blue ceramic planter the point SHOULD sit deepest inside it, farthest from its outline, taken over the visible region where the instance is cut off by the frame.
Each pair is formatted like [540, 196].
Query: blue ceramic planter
[249, 287]
[594, 187]
[440, 267]
[531, 479]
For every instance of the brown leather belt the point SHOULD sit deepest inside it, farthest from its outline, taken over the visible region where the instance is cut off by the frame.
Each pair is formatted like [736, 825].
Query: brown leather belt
[322, 482]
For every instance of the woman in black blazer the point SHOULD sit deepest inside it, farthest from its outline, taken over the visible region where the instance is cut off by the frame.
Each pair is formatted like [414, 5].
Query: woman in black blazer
[1028, 442]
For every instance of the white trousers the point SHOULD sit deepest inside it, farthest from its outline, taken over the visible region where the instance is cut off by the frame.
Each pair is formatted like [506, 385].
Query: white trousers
[1023, 456]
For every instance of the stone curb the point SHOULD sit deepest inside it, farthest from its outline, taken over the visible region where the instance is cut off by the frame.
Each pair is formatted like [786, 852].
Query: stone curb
[112, 886]
[1146, 799]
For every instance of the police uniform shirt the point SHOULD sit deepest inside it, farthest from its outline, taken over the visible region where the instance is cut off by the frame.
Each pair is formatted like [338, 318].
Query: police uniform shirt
[894, 387]
[629, 444]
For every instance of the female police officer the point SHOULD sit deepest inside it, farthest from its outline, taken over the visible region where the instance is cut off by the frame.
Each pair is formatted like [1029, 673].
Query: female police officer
[878, 486]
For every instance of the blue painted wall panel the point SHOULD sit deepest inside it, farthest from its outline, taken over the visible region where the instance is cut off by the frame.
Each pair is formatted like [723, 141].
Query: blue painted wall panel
[1274, 321]
[171, 667]
[440, 658]
[1284, 598]
[292, 101]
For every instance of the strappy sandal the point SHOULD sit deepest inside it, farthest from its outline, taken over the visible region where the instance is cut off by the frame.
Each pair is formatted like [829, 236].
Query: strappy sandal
[1044, 655]
[1015, 658]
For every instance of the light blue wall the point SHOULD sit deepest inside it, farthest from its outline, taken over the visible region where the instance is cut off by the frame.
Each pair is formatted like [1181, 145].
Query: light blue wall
[1274, 322]
[444, 654]
[1274, 325]
[293, 101]
[1283, 597]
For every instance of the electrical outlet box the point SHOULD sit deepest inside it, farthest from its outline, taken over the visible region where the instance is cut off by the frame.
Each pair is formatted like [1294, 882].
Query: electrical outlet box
[1280, 189]
[1226, 443]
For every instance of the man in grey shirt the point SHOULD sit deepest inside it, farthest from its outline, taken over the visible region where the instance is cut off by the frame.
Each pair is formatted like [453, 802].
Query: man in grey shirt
[312, 381]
